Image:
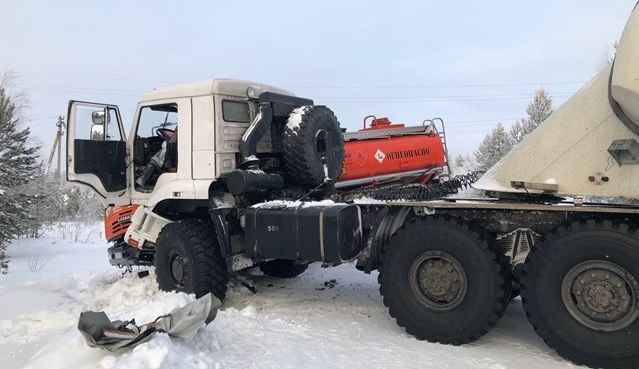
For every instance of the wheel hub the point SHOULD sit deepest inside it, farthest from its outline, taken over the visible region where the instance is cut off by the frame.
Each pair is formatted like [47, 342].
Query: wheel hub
[438, 280]
[179, 270]
[321, 146]
[601, 295]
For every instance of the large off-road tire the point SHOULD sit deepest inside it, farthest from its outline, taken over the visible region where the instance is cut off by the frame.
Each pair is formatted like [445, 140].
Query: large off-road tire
[580, 292]
[188, 259]
[312, 134]
[443, 280]
[281, 268]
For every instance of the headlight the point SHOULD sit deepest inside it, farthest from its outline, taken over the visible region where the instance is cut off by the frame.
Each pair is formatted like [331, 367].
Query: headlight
[253, 92]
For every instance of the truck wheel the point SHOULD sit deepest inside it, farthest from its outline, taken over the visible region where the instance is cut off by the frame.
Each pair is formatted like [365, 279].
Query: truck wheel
[312, 135]
[580, 292]
[281, 268]
[444, 281]
[188, 259]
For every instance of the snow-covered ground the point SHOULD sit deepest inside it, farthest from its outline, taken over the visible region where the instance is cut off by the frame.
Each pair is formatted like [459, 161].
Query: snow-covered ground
[325, 318]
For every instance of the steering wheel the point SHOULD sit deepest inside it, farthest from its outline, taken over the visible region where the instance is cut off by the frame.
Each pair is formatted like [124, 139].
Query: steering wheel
[165, 133]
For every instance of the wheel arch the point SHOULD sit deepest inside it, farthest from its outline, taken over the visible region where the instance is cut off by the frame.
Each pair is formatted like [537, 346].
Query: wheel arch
[182, 208]
[388, 221]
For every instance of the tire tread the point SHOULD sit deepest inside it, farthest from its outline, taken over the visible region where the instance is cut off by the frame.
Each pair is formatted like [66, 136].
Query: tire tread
[496, 258]
[210, 266]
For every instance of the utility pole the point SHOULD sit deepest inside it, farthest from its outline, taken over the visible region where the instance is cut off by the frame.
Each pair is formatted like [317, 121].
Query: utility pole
[59, 139]
[57, 145]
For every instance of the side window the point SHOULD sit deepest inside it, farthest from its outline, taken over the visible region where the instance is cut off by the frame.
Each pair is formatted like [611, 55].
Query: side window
[155, 117]
[236, 111]
[97, 123]
[155, 147]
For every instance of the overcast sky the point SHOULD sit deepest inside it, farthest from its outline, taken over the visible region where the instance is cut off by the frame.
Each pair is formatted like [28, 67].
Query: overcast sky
[472, 63]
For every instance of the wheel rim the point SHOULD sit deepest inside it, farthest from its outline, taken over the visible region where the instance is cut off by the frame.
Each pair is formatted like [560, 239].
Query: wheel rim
[601, 295]
[179, 270]
[438, 280]
[321, 144]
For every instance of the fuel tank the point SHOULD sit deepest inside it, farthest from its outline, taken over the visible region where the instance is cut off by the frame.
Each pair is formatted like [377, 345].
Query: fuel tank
[330, 233]
[589, 145]
[385, 150]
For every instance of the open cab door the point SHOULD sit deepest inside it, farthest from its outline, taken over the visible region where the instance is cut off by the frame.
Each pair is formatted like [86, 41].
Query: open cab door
[96, 151]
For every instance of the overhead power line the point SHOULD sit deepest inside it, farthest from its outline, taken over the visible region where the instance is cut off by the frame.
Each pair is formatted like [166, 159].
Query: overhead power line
[102, 78]
[439, 86]
[479, 85]
[479, 98]
[364, 98]
[81, 88]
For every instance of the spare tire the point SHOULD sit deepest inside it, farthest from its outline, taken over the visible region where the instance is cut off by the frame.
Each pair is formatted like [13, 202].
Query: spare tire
[312, 136]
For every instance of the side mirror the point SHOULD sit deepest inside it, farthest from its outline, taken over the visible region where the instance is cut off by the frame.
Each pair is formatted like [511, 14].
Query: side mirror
[97, 132]
[98, 117]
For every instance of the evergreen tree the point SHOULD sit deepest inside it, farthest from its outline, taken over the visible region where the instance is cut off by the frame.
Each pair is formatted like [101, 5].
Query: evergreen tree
[538, 110]
[81, 204]
[607, 56]
[495, 145]
[17, 166]
[498, 142]
[47, 204]
[463, 164]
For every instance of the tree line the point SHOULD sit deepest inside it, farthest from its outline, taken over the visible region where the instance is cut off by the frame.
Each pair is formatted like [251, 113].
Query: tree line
[30, 200]
[499, 141]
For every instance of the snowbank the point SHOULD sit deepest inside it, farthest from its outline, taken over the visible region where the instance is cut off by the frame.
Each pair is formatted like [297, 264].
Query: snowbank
[325, 318]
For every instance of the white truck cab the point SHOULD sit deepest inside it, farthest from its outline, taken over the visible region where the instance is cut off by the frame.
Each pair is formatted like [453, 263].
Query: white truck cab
[100, 155]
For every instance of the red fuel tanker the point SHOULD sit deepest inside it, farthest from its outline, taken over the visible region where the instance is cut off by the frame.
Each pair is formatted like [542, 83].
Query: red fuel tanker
[384, 151]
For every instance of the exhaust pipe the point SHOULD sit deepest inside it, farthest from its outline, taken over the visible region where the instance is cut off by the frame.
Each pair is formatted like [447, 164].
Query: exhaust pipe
[257, 129]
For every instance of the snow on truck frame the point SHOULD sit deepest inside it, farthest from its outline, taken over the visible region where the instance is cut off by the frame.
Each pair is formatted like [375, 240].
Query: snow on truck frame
[250, 176]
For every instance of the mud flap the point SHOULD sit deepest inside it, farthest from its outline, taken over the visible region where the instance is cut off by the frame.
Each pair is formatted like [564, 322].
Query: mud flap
[99, 331]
